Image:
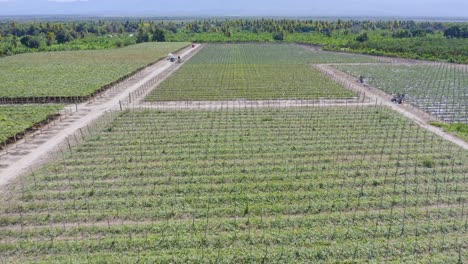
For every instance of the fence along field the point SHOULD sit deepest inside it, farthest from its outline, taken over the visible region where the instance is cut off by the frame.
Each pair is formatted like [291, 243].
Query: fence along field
[254, 71]
[73, 75]
[245, 185]
[439, 89]
[15, 120]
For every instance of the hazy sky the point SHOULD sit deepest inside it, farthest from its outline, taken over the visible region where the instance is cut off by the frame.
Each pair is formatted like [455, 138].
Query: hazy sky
[433, 8]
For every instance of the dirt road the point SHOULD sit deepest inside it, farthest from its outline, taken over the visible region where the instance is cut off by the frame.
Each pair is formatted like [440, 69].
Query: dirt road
[129, 93]
[379, 97]
[34, 152]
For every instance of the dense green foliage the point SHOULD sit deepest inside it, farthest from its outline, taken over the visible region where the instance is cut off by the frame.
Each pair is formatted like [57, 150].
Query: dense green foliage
[254, 71]
[420, 40]
[461, 130]
[431, 47]
[319, 185]
[456, 31]
[51, 36]
[94, 43]
[17, 119]
[74, 73]
[440, 89]
[87, 43]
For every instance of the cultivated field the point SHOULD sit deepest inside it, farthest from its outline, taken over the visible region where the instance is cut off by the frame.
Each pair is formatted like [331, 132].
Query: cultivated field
[439, 89]
[320, 184]
[272, 54]
[16, 119]
[74, 73]
[253, 185]
[254, 71]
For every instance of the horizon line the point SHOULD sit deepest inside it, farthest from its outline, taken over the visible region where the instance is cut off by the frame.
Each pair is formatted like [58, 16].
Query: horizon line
[229, 16]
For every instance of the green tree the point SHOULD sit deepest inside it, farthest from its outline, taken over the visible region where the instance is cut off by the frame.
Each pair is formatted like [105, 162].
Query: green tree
[402, 33]
[63, 36]
[51, 39]
[14, 41]
[159, 35]
[452, 32]
[142, 36]
[363, 37]
[31, 42]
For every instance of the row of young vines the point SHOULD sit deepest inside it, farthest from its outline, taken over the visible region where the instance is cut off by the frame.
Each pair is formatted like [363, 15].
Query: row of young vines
[300, 184]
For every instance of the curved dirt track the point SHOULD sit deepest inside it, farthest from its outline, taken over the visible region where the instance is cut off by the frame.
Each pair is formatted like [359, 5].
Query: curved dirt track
[379, 97]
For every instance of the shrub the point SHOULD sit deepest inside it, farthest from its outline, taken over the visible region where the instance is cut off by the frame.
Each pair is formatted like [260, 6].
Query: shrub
[363, 37]
[428, 163]
[278, 36]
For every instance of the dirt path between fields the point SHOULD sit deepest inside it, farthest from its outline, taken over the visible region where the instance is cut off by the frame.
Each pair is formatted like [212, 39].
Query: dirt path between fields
[130, 93]
[381, 98]
[30, 154]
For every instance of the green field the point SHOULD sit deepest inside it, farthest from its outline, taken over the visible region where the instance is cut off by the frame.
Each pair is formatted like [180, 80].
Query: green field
[459, 129]
[254, 71]
[17, 119]
[439, 89]
[318, 185]
[272, 54]
[74, 73]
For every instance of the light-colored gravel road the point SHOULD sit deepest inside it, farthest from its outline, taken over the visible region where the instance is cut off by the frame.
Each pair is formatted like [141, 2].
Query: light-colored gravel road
[37, 150]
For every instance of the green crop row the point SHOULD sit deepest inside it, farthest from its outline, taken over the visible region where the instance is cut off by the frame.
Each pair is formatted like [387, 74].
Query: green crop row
[272, 54]
[226, 82]
[253, 71]
[280, 185]
[458, 128]
[439, 89]
[15, 120]
[74, 73]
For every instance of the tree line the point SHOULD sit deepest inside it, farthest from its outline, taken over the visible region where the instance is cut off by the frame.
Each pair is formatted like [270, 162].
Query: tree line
[378, 37]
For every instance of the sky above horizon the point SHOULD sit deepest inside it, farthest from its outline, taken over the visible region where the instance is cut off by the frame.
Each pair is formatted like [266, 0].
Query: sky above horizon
[367, 8]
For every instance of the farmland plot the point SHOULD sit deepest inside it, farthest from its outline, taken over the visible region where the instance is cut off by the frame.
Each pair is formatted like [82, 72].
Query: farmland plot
[251, 185]
[74, 73]
[441, 89]
[17, 119]
[272, 54]
[252, 71]
[254, 82]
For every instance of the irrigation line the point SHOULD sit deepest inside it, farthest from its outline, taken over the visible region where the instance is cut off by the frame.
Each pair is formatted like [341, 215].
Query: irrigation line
[239, 104]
